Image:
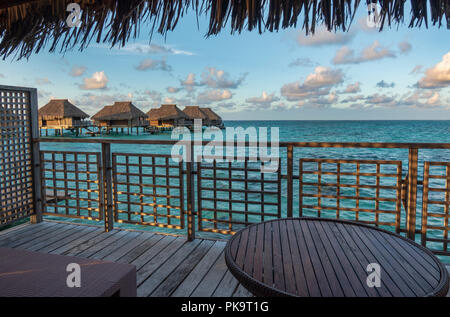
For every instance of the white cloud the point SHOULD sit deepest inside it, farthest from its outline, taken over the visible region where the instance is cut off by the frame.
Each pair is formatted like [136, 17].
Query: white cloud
[97, 81]
[153, 64]
[353, 88]
[375, 51]
[437, 76]
[416, 70]
[190, 83]
[405, 47]
[214, 96]
[324, 37]
[139, 48]
[318, 83]
[78, 71]
[216, 78]
[305, 62]
[43, 81]
[264, 100]
[384, 84]
[173, 90]
[434, 99]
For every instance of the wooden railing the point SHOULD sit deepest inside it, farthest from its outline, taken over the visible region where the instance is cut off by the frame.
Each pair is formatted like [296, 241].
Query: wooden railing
[222, 197]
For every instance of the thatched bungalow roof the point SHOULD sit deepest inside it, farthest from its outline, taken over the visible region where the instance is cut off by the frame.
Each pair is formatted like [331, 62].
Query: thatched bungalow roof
[166, 112]
[211, 114]
[123, 110]
[27, 25]
[61, 108]
[194, 112]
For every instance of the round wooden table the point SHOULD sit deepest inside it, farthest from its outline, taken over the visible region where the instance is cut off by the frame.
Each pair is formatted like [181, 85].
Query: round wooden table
[329, 257]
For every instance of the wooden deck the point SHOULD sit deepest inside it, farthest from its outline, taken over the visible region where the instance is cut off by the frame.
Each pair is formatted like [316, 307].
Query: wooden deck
[166, 265]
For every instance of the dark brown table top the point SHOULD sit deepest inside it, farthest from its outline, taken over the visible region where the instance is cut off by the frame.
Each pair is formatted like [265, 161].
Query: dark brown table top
[328, 257]
[33, 274]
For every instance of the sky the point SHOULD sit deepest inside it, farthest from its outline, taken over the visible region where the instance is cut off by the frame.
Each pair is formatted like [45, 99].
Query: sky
[362, 74]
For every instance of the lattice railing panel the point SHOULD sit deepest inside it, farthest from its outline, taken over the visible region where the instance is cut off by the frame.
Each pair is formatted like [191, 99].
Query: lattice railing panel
[72, 184]
[232, 195]
[367, 191]
[148, 190]
[436, 202]
[16, 168]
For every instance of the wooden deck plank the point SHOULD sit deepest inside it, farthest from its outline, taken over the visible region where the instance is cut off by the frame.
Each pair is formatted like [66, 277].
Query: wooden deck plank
[226, 286]
[160, 273]
[241, 291]
[73, 244]
[148, 255]
[162, 254]
[127, 247]
[19, 228]
[140, 249]
[112, 247]
[53, 239]
[193, 279]
[174, 279]
[46, 239]
[12, 240]
[76, 233]
[211, 280]
[89, 252]
[75, 251]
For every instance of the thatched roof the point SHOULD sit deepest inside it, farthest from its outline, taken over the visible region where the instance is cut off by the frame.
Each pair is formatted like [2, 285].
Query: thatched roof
[211, 114]
[194, 112]
[27, 25]
[124, 110]
[61, 108]
[166, 112]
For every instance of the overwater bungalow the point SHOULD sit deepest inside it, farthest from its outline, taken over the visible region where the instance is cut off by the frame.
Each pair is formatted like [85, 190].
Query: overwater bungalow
[120, 115]
[60, 114]
[195, 112]
[213, 118]
[208, 116]
[167, 116]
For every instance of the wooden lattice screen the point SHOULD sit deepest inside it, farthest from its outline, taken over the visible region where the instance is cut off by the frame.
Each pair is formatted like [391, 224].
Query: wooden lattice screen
[72, 184]
[232, 195]
[367, 191]
[148, 190]
[19, 164]
[436, 207]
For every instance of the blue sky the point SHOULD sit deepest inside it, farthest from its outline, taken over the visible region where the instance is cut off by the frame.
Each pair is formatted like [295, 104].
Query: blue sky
[399, 73]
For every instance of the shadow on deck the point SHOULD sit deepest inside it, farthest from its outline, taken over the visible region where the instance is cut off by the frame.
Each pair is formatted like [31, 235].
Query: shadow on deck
[165, 265]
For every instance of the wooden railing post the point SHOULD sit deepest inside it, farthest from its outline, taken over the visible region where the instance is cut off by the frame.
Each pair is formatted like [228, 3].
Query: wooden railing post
[412, 193]
[190, 191]
[35, 158]
[290, 171]
[106, 193]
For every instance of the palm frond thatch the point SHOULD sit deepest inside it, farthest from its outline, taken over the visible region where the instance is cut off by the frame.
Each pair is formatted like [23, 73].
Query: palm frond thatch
[26, 26]
[119, 111]
[211, 114]
[61, 108]
[166, 112]
[194, 112]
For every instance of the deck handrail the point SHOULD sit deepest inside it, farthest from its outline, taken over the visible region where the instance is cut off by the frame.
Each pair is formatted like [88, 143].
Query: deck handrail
[408, 186]
[382, 145]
